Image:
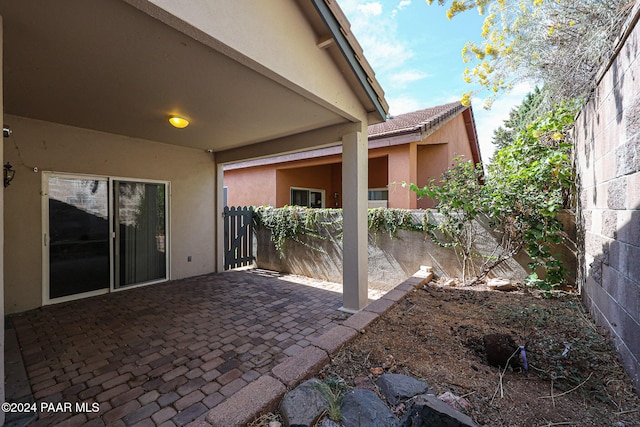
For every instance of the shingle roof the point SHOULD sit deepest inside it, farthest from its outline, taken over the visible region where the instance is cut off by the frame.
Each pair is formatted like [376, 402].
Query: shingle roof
[415, 121]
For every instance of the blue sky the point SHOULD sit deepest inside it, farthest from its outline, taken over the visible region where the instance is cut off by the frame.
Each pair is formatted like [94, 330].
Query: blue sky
[415, 52]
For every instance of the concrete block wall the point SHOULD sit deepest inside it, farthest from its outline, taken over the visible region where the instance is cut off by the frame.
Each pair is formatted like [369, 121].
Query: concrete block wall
[607, 139]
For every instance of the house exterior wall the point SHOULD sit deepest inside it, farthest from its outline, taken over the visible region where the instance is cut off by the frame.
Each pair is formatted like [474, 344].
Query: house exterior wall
[313, 177]
[2, 245]
[378, 171]
[415, 162]
[433, 160]
[53, 147]
[402, 168]
[455, 135]
[607, 140]
[253, 186]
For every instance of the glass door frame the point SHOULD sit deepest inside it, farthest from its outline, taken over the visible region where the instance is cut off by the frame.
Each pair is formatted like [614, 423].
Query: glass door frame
[46, 300]
[46, 239]
[115, 234]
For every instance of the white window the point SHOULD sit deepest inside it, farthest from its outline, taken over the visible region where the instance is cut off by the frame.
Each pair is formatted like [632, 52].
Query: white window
[309, 197]
[378, 198]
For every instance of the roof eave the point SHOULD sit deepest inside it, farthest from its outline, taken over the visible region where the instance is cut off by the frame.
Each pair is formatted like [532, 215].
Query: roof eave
[328, 13]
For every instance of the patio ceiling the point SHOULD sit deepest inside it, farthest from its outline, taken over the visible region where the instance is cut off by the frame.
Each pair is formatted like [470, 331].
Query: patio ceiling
[108, 66]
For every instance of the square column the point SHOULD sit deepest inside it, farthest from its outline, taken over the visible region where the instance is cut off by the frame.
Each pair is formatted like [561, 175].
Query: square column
[355, 231]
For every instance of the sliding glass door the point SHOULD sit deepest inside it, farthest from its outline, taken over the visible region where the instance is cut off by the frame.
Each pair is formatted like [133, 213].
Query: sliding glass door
[141, 255]
[102, 234]
[78, 236]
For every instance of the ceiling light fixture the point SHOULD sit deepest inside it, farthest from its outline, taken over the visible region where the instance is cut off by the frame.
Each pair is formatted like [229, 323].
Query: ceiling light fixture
[178, 122]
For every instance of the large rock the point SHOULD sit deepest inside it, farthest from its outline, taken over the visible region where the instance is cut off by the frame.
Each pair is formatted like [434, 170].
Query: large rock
[303, 405]
[427, 410]
[363, 408]
[397, 388]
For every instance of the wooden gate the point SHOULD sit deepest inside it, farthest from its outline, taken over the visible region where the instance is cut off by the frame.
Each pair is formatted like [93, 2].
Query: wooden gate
[238, 237]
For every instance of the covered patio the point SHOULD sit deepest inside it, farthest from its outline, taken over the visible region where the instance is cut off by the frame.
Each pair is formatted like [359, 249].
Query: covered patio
[103, 179]
[168, 354]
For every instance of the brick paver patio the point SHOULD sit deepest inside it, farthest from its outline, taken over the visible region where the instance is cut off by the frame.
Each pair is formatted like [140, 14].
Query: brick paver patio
[163, 355]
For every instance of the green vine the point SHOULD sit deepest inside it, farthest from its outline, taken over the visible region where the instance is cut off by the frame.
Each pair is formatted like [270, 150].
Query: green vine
[290, 223]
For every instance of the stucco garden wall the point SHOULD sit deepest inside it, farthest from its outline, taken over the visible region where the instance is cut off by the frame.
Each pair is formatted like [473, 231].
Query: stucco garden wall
[392, 259]
[607, 139]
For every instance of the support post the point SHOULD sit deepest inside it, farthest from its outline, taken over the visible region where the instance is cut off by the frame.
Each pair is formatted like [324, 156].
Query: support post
[355, 239]
[219, 219]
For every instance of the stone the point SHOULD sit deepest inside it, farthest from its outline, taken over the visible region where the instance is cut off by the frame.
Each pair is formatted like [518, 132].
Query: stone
[301, 366]
[364, 408]
[456, 402]
[303, 405]
[451, 282]
[427, 410]
[500, 348]
[397, 387]
[257, 398]
[328, 422]
[364, 383]
[500, 285]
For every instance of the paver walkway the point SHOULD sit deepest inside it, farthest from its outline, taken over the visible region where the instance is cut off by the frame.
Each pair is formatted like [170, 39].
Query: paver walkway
[163, 355]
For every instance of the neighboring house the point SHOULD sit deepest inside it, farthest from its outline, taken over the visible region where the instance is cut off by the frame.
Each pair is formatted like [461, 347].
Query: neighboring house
[408, 148]
[107, 195]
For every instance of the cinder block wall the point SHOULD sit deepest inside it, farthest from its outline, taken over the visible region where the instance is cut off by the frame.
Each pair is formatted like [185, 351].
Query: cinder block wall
[607, 138]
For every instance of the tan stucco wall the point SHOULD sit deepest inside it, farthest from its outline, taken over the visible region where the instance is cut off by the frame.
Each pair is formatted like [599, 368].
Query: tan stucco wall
[402, 169]
[2, 311]
[221, 21]
[52, 147]
[253, 186]
[433, 160]
[378, 172]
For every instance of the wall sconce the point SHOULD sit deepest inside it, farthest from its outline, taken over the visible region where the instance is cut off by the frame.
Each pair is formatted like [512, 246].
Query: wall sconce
[9, 173]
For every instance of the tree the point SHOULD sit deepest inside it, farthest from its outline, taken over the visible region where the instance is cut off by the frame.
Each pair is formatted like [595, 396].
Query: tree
[460, 198]
[519, 118]
[529, 182]
[558, 43]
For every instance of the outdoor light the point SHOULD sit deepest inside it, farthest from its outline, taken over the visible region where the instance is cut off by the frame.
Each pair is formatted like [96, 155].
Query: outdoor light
[9, 173]
[178, 122]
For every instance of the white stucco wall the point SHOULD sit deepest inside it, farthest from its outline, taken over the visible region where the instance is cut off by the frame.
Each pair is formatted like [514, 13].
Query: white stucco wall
[53, 147]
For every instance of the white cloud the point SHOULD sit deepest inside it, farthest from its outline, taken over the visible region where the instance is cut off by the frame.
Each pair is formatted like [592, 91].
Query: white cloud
[400, 6]
[373, 9]
[404, 104]
[489, 120]
[377, 33]
[403, 78]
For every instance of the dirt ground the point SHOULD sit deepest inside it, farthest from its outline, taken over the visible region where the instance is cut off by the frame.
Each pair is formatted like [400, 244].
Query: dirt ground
[436, 334]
